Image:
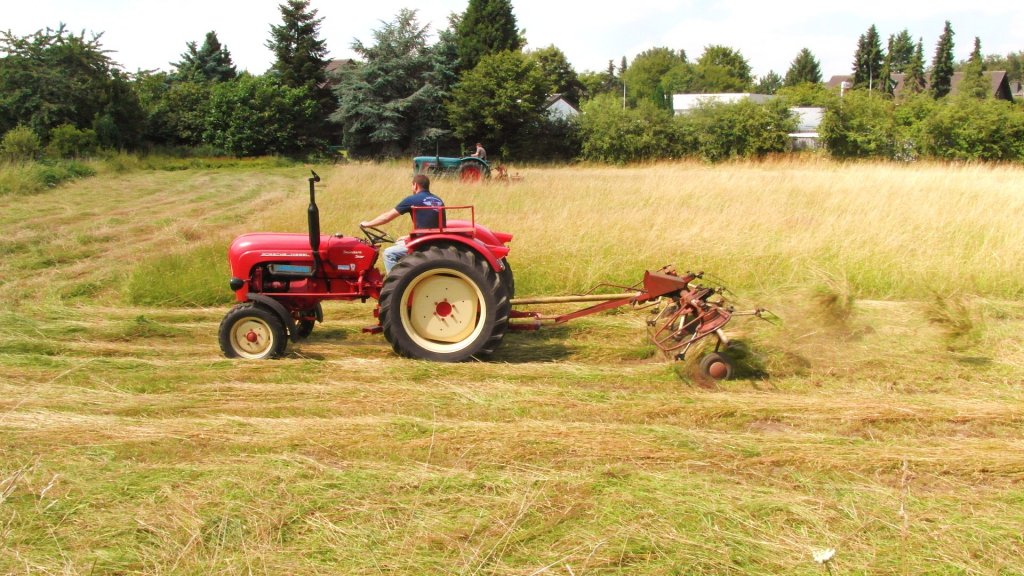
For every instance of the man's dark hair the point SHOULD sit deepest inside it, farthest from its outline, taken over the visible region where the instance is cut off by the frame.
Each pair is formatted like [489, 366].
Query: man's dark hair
[422, 181]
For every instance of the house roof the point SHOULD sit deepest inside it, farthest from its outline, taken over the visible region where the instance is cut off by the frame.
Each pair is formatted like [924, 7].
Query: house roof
[555, 98]
[335, 66]
[998, 80]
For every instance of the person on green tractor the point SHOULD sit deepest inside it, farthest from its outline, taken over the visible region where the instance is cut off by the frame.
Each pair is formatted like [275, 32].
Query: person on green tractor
[480, 152]
[421, 197]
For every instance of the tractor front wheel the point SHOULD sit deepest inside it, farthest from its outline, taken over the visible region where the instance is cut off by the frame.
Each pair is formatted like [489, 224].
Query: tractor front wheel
[444, 304]
[252, 332]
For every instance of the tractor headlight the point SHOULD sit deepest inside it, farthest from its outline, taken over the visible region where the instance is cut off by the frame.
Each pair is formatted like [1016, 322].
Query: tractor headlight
[236, 284]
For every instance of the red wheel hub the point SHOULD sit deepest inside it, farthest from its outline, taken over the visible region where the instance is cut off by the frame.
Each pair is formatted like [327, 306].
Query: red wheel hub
[718, 370]
[443, 309]
[252, 336]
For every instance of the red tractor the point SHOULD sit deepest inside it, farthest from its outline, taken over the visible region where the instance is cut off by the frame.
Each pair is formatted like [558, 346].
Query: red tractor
[447, 300]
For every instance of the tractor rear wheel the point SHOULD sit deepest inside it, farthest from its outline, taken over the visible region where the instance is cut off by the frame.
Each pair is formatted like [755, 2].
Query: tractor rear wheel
[472, 171]
[252, 332]
[507, 279]
[444, 304]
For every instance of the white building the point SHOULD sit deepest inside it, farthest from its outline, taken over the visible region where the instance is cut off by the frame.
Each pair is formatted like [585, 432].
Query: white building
[559, 108]
[683, 103]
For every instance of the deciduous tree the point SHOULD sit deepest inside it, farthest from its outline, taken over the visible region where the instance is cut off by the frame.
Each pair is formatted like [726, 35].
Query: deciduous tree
[728, 68]
[559, 76]
[52, 77]
[644, 77]
[495, 101]
[256, 115]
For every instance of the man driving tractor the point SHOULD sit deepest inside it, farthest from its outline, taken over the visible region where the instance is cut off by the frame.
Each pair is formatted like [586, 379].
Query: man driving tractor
[421, 197]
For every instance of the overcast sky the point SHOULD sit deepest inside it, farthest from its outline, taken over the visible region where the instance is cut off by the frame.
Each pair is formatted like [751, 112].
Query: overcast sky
[150, 35]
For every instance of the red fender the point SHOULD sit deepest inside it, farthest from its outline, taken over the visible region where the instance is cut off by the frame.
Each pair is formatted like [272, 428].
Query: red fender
[493, 254]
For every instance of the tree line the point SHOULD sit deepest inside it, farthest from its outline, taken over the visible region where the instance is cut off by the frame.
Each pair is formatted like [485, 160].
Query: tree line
[404, 95]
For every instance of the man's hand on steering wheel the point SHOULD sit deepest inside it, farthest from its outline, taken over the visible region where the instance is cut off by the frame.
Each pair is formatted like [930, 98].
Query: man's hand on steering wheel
[375, 235]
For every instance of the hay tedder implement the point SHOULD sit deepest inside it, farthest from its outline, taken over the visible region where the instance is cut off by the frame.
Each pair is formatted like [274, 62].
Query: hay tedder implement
[682, 314]
[450, 299]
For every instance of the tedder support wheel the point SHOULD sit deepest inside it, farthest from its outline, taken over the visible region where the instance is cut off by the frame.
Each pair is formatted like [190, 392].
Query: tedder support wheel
[716, 366]
[253, 332]
[444, 304]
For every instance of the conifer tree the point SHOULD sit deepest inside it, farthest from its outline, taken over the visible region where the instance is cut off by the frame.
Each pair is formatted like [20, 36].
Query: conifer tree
[805, 68]
[486, 27]
[942, 64]
[867, 62]
[974, 83]
[211, 63]
[914, 81]
[300, 61]
[391, 103]
[901, 50]
[299, 52]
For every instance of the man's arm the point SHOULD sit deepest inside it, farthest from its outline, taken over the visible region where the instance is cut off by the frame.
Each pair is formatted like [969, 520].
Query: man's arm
[382, 219]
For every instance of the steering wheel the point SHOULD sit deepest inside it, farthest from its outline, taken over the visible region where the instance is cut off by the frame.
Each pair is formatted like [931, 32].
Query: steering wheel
[376, 236]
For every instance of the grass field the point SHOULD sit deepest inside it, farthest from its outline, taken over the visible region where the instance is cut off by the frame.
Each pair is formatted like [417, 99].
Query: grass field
[882, 417]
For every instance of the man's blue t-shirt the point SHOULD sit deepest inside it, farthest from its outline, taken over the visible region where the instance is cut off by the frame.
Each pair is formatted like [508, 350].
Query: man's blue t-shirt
[423, 218]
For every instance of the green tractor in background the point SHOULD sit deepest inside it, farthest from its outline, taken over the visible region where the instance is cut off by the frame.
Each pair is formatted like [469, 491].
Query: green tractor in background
[467, 168]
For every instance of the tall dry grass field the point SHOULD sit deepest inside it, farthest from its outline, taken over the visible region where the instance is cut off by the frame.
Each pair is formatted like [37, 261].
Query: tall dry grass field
[881, 417]
[891, 230]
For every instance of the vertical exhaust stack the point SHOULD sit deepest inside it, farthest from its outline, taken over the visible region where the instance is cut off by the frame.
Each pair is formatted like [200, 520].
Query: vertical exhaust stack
[313, 216]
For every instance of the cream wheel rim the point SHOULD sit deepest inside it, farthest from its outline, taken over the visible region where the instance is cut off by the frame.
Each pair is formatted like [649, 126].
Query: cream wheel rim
[252, 337]
[443, 311]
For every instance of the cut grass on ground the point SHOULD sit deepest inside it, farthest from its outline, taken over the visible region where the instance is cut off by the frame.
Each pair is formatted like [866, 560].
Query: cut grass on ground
[888, 429]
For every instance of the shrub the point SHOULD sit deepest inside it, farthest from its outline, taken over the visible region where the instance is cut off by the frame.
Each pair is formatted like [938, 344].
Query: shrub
[31, 178]
[255, 116]
[972, 129]
[20, 144]
[861, 125]
[67, 141]
[53, 174]
[740, 130]
[619, 135]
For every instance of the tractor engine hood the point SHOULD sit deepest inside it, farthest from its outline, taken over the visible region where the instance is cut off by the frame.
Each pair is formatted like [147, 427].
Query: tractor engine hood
[248, 250]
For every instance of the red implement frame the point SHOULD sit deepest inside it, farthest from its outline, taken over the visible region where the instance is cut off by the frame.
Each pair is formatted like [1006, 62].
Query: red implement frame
[689, 313]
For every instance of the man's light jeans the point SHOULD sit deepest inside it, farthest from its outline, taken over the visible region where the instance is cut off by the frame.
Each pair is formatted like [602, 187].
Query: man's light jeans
[392, 254]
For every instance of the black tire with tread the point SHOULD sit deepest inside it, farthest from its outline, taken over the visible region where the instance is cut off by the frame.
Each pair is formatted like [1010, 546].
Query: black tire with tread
[422, 264]
[507, 279]
[717, 360]
[473, 171]
[303, 328]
